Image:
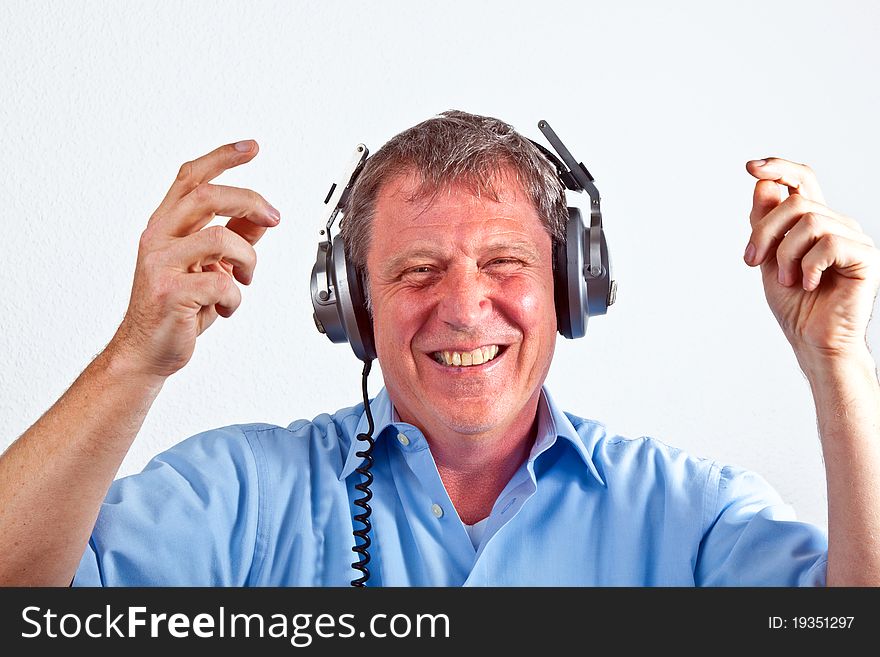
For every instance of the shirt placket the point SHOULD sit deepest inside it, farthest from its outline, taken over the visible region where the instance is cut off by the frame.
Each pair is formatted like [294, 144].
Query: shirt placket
[445, 548]
[518, 491]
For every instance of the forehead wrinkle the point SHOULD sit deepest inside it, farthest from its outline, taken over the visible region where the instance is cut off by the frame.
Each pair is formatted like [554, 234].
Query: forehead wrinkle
[502, 187]
[466, 236]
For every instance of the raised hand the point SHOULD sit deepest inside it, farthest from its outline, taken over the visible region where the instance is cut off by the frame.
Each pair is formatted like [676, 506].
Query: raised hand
[821, 272]
[185, 273]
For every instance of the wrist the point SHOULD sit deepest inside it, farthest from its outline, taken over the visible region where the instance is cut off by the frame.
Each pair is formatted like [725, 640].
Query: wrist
[121, 367]
[820, 365]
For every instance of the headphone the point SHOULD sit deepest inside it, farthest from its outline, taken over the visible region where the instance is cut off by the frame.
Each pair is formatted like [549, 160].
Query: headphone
[582, 278]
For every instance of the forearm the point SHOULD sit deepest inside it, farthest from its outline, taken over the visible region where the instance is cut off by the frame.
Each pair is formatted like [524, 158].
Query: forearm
[55, 476]
[847, 397]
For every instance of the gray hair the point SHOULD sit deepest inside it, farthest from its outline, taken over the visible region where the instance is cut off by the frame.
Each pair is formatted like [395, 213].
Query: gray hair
[454, 148]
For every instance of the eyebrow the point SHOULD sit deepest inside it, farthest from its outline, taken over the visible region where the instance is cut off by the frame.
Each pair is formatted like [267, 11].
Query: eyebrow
[525, 250]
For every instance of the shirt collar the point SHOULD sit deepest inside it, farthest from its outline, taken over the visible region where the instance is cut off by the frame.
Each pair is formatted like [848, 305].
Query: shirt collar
[553, 424]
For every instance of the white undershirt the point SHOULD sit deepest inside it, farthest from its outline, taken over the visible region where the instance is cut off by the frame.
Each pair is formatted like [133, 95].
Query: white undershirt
[476, 531]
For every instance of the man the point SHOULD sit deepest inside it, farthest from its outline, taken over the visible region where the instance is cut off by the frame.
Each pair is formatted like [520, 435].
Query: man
[480, 479]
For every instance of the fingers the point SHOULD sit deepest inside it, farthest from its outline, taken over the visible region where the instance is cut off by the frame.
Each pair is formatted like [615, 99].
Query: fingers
[799, 178]
[215, 245]
[812, 230]
[198, 208]
[769, 231]
[212, 288]
[849, 258]
[767, 196]
[186, 274]
[208, 167]
[803, 235]
[247, 229]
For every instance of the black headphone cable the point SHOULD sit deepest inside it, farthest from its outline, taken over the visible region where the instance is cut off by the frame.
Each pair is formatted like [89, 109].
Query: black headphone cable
[364, 487]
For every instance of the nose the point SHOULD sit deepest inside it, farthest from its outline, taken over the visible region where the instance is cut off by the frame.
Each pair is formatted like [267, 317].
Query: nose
[464, 299]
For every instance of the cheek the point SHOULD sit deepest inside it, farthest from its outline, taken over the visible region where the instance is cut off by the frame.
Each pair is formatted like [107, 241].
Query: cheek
[396, 319]
[531, 304]
[534, 307]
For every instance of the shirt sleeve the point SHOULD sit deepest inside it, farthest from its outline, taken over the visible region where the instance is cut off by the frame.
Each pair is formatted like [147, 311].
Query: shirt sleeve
[190, 518]
[754, 539]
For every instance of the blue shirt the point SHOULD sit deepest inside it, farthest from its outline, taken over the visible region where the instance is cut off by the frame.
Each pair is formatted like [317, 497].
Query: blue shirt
[256, 504]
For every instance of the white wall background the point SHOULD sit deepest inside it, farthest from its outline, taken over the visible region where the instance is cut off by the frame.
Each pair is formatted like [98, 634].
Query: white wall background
[664, 102]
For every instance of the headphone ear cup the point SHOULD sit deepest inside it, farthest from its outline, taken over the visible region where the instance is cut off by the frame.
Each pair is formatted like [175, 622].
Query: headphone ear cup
[600, 290]
[569, 286]
[560, 287]
[352, 303]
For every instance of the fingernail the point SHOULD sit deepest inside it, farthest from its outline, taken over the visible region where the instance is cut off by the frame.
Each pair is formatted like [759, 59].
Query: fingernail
[274, 215]
[750, 253]
[759, 163]
[244, 146]
[781, 276]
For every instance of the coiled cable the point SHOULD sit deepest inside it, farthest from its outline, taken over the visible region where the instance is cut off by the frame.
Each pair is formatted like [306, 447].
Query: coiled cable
[364, 487]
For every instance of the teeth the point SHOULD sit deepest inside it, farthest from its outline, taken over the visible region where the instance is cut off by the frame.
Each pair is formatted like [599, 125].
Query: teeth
[478, 356]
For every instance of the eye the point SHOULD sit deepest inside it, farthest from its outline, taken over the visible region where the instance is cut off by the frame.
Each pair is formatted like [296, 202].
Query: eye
[504, 263]
[419, 274]
[419, 271]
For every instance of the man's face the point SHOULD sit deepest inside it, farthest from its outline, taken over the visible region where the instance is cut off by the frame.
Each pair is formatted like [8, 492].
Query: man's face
[467, 279]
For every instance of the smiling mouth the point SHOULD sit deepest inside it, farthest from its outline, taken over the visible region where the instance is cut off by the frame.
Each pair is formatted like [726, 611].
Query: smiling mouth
[477, 356]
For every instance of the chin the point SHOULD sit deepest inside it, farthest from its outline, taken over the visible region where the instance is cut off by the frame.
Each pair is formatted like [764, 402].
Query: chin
[470, 416]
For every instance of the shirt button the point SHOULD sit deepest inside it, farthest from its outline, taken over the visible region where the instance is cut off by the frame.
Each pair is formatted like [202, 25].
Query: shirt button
[437, 510]
[402, 439]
